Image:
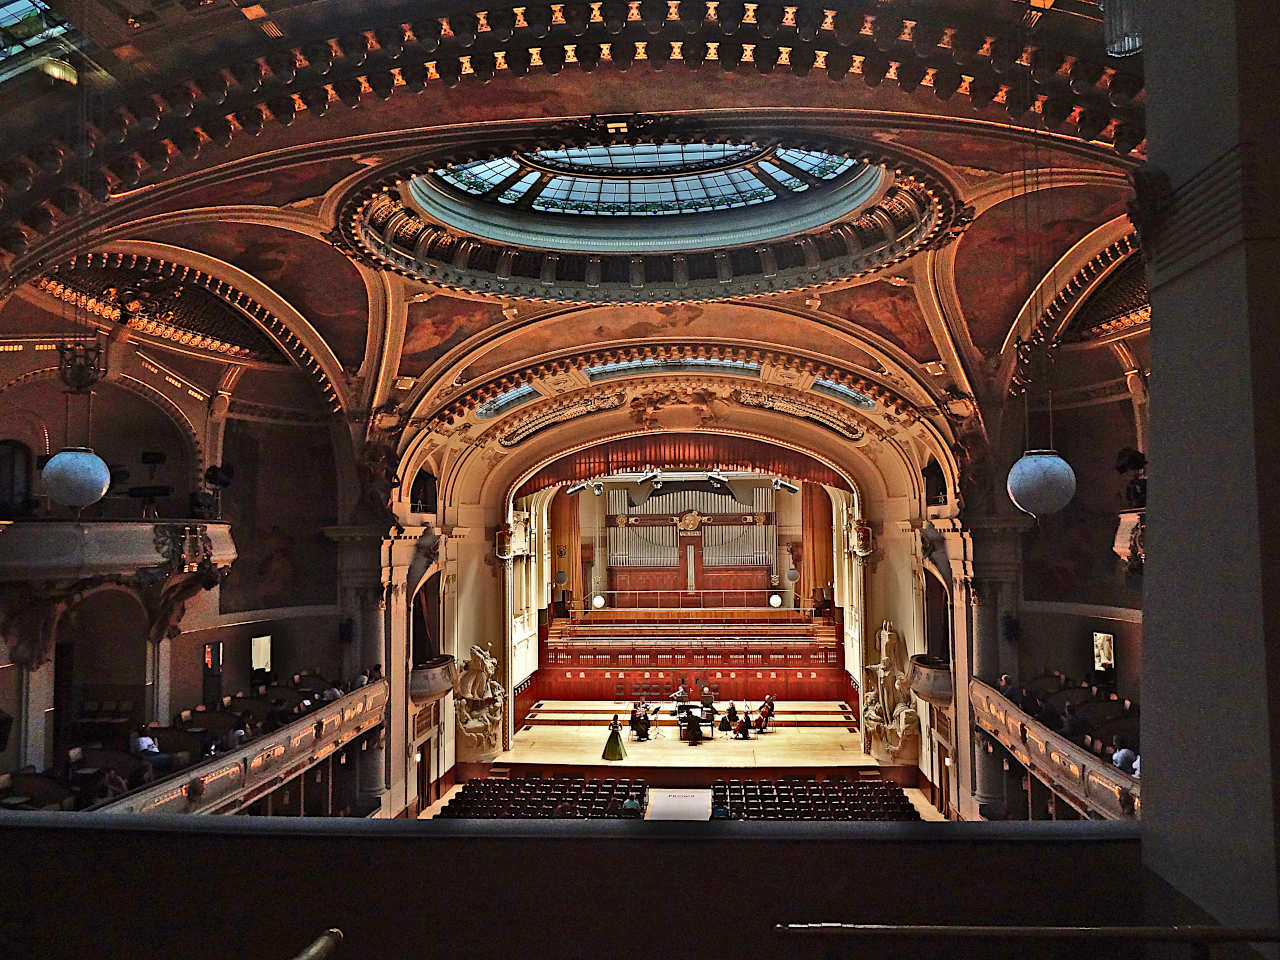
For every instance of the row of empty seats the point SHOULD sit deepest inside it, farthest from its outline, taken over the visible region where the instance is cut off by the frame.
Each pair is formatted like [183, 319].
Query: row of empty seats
[533, 797]
[806, 799]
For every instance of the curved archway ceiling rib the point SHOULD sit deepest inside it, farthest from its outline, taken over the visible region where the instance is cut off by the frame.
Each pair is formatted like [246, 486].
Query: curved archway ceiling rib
[681, 451]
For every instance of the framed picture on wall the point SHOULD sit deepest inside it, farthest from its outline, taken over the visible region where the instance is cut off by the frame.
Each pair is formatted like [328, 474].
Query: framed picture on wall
[1104, 651]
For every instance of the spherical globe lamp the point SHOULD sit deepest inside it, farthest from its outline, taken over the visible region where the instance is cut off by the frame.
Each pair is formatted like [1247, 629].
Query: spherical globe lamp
[76, 477]
[775, 600]
[1041, 483]
[598, 601]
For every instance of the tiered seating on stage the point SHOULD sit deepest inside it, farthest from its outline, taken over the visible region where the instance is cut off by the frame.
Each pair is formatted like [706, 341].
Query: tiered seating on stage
[798, 798]
[492, 798]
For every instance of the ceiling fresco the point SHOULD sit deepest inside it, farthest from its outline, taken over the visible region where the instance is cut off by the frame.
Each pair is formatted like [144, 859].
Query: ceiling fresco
[1010, 247]
[314, 277]
[890, 311]
[436, 324]
[699, 322]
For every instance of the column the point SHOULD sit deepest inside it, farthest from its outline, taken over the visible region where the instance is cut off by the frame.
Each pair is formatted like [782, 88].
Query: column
[1210, 770]
[37, 716]
[988, 779]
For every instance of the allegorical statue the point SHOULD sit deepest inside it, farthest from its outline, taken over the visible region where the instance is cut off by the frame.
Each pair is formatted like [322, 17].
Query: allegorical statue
[891, 726]
[477, 700]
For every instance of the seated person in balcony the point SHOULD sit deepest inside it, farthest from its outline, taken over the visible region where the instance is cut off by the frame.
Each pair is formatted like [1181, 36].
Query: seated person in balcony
[143, 746]
[1049, 716]
[1029, 702]
[1122, 756]
[1007, 688]
[331, 694]
[113, 785]
[1072, 728]
[278, 716]
[375, 672]
[1137, 767]
[361, 679]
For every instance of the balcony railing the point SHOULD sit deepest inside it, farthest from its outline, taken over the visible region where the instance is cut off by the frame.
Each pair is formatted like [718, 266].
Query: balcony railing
[1097, 785]
[69, 549]
[227, 782]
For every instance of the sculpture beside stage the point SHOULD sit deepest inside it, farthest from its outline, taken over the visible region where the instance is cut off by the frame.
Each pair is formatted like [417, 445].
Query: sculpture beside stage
[891, 726]
[477, 700]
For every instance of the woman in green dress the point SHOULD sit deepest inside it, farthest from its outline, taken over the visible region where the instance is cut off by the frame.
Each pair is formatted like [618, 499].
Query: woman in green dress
[613, 748]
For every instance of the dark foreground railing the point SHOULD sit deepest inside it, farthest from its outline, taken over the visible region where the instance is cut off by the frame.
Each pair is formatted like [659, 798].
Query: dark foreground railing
[1200, 938]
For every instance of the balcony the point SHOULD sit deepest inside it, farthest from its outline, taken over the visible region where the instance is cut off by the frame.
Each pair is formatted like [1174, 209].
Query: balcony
[71, 550]
[230, 781]
[430, 681]
[1098, 786]
[930, 679]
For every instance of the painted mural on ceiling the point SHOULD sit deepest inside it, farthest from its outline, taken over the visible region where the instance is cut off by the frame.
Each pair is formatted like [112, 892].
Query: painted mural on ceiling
[642, 325]
[436, 324]
[1012, 245]
[318, 280]
[891, 311]
[278, 187]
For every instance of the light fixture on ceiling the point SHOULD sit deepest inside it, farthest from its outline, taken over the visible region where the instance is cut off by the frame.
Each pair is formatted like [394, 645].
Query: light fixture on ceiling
[779, 484]
[597, 488]
[715, 476]
[577, 488]
[650, 477]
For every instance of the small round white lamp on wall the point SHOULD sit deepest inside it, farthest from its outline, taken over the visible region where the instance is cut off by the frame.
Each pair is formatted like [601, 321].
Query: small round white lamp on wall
[76, 477]
[598, 601]
[775, 599]
[1041, 482]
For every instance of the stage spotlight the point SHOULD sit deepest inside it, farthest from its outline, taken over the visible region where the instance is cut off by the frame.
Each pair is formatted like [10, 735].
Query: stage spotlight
[716, 476]
[779, 484]
[775, 599]
[597, 488]
[650, 477]
[577, 488]
[598, 601]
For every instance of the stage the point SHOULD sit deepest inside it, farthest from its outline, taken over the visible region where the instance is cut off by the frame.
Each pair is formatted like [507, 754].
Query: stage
[571, 733]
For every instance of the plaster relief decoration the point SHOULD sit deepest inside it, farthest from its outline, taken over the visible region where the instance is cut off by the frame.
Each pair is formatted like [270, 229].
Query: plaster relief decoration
[559, 413]
[844, 424]
[678, 408]
[890, 724]
[477, 700]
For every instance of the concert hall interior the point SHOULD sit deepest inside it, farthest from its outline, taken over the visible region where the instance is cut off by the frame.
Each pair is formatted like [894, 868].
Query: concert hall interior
[487, 468]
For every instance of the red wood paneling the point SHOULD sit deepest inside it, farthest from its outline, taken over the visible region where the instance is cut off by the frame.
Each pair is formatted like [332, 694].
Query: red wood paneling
[593, 683]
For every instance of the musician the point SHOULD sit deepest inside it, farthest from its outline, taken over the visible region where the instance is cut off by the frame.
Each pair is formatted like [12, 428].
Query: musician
[693, 728]
[732, 713]
[641, 722]
[634, 722]
[742, 729]
[708, 699]
[681, 695]
[726, 725]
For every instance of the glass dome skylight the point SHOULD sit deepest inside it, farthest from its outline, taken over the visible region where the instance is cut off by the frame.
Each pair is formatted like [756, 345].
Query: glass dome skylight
[638, 198]
[624, 368]
[645, 179]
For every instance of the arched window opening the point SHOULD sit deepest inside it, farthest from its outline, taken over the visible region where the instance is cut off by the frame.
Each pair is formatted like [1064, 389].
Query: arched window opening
[935, 484]
[422, 495]
[15, 479]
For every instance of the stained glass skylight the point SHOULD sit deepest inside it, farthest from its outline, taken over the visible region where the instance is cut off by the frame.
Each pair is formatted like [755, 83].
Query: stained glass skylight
[840, 392]
[672, 364]
[645, 179]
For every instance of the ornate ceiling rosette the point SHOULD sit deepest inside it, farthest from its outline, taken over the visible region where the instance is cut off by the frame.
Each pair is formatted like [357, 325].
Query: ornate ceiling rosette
[667, 209]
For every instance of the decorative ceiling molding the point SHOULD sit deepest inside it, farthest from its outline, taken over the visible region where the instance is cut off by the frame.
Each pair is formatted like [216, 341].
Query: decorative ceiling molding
[463, 404]
[919, 207]
[981, 59]
[272, 313]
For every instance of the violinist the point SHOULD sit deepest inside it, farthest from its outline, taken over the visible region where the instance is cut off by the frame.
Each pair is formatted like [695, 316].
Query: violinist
[732, 714]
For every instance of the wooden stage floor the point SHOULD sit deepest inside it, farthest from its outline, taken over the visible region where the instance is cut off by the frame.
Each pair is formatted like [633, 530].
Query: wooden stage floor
[807, 734]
